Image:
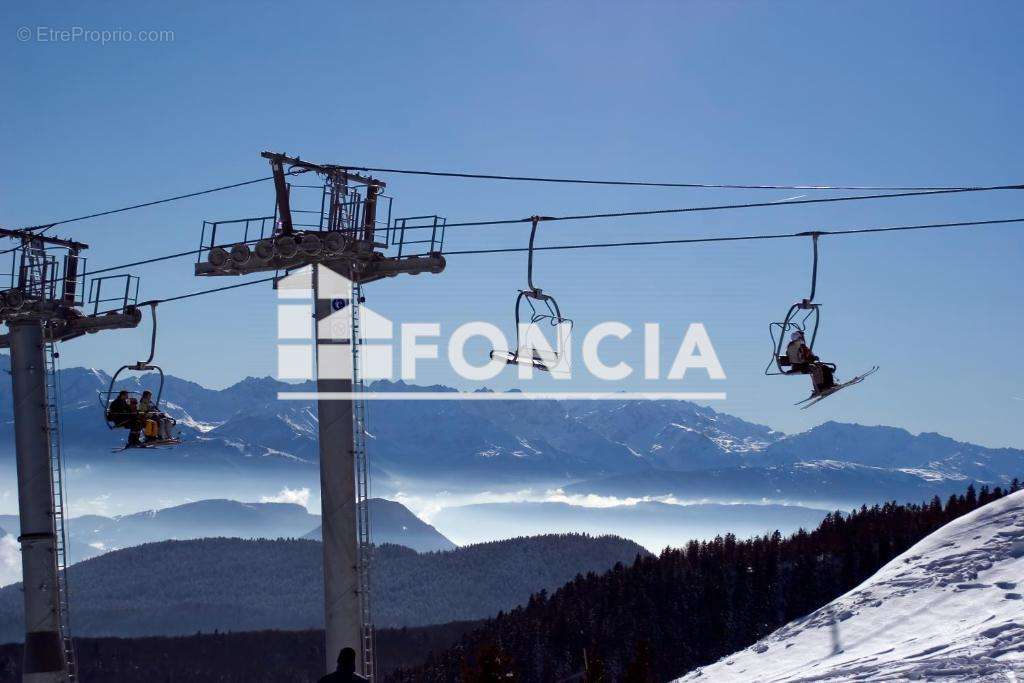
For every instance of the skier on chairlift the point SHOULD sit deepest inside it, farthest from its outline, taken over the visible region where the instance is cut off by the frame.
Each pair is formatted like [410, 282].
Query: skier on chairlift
[822, 377]
[150, 413]
[123, 414]
[803, 361]
[142, 415]
[798, 353]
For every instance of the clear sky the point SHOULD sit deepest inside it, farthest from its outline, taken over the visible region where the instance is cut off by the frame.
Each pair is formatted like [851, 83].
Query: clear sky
[782, 92]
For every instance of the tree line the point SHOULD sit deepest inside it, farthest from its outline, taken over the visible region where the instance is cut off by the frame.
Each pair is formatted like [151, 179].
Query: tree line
[660, 617]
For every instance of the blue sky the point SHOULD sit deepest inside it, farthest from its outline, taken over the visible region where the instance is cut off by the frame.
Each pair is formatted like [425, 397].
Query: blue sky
[785, 92]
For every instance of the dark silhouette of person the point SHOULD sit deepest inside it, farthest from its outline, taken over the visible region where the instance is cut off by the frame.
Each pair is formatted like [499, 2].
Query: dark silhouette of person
[122, 414]
[346, 672]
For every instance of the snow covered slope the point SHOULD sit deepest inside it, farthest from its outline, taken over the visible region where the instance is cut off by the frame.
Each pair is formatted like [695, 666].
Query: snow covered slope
[949, 608]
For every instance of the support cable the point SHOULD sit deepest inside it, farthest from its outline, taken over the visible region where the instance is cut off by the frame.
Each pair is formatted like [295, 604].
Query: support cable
[207, 291]
[723, 207]
[46, 226]
[641, 183]
[155, 259]
[738, 238]
[853, 231]
[910, 192]
[618, 214]
[697, 240]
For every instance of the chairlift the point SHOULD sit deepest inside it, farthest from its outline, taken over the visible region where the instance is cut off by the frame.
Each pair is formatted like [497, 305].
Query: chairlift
[543, 308]
[155, 426]
[802, 318]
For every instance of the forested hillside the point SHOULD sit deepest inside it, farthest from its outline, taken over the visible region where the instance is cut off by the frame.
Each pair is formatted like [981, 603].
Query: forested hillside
[283, 656]
[181, 587]
[660, 617]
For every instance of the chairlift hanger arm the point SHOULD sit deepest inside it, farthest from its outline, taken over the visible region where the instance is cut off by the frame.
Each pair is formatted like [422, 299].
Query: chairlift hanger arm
[534, 222]
[814, 235]
[529, 295]
[141, 366]
[147, 364]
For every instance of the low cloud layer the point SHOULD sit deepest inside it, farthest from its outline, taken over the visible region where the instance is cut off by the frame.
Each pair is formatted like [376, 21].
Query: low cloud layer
[10, 560]
[298, 496]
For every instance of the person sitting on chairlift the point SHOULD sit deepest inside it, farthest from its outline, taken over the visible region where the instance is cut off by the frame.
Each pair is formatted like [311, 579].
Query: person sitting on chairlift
[802, 360]
[122, 413]
[149, 412]
[822, 377]
[799, 354]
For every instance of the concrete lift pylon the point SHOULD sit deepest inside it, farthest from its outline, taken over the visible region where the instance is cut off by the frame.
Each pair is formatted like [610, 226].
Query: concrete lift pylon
[350, 240]
[40, 308]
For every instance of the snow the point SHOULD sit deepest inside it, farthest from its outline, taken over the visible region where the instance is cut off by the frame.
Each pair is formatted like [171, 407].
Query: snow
[948, 609]
[273, 452]
[526, 444]
[832, 465]
[635, 453]
[747, 445]
[308, 429]
[933, 475]
[182, 416]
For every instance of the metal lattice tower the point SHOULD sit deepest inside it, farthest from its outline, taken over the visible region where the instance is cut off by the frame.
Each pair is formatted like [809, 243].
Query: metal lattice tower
[348, 231]
[40, 306]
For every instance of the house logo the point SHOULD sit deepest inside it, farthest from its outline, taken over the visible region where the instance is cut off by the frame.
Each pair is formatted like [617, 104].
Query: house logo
[315, 336]
[325, 336]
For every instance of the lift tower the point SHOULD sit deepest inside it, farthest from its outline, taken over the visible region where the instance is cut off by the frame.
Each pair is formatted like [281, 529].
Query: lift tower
[351, 234]
[40, 308]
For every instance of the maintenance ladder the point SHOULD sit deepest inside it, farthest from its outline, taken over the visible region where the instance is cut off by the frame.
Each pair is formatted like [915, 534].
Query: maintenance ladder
[359, 432]
[53, 424]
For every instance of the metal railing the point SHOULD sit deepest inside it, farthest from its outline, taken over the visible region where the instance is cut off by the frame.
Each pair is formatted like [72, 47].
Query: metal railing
[418, 235]
[39, 274]
[235, 231]
[112, 293]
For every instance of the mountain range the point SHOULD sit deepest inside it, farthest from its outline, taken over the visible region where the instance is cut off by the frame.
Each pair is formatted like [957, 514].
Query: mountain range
[816, 484]
[644, 459]
[91, 535]
[245, 427]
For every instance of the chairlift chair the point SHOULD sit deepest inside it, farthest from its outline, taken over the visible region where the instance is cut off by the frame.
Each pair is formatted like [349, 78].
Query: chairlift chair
[542, 308]
[106, 398]
[805, 316]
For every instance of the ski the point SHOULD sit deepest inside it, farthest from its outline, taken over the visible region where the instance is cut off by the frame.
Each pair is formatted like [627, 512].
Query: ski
[815, 398]
[159, 443]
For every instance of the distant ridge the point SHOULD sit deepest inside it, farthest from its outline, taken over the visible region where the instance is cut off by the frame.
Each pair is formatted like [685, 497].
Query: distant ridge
[181, 587]
[91, 535]
[392, 522]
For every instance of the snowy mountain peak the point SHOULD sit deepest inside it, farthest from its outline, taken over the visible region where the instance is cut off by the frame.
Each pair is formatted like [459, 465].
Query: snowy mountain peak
[949, 608]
